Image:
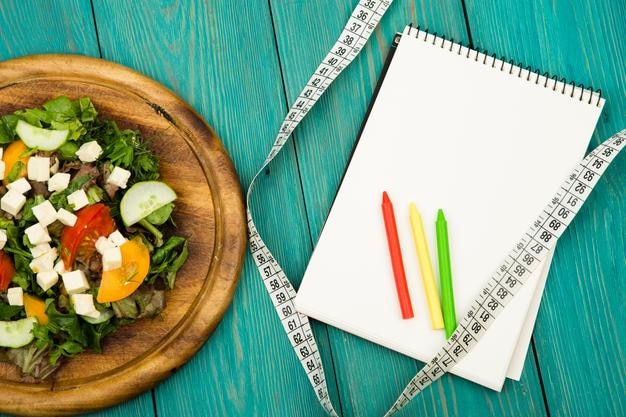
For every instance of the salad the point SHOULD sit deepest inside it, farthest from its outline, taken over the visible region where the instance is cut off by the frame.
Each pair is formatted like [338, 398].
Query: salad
[85, 246]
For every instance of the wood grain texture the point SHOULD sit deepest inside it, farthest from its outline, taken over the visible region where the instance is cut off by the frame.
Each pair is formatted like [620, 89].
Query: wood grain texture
[579, 334]
[209, 213]
[370, 377]
[220, 56]
[37, 27]
[64, 26]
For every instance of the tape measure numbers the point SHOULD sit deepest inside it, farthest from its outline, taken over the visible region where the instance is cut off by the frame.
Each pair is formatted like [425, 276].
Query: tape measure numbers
[355, 34]
[517, 267]
[509, 278]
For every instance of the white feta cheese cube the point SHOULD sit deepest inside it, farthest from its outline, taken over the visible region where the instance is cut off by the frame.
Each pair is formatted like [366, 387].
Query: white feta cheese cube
[59, 181]
[3, 238]
[65, 217]
[94, 314]
[84, 306]
[39, 265]
[78, 199]
[117, 238]
[119, 176]
[38, 168]
[111, 259]
[12, 202]
[103, 244]
[1, 152]
[2, 169]
[45, 213]
[89, 151]
[44, 262]
[15, 296]
[37, 234]
[59, 267]
[47, 279]
[40, 249]
[75, 282]
[20, 186]
[54, 168]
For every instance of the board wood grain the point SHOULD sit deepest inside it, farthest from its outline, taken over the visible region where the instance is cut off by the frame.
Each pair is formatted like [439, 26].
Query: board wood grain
[579, 335]
[324, 142]
[209, 213]
[229, 71]
[62, 27]
[222, 59]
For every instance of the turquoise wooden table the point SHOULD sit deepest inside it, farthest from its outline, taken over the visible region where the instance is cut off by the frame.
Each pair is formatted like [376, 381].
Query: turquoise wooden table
[240, 63]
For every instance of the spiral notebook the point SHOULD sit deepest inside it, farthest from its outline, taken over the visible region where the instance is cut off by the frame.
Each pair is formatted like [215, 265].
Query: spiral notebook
[456, 129]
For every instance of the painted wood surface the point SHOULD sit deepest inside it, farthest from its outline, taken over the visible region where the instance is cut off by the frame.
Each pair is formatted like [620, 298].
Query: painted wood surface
[34, 27]
[228, 70]
[324, 143]
[579, 336]
[141, 355]
[229, 60]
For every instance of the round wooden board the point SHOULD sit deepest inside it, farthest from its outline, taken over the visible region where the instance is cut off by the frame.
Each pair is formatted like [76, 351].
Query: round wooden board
[209, 212]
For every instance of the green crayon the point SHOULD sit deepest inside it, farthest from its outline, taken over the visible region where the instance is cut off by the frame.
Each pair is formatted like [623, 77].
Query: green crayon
[445, 275]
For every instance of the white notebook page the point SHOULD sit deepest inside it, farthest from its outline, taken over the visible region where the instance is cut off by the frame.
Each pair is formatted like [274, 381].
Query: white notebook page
[518, 358]
[446, 131]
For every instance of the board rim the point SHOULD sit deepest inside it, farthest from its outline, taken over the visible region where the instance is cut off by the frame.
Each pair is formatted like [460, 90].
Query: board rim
[202, 317]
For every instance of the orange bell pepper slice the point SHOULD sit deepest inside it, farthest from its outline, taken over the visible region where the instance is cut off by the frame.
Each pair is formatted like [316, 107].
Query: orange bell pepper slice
[12, 155]
[35, 308]
[121, 282]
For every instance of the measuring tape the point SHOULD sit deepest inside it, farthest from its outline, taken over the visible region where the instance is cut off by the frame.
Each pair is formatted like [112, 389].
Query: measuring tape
[509, 278]
[518, 266]
[355, 34]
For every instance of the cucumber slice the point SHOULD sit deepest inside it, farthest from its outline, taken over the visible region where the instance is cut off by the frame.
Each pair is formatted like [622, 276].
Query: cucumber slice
[104, 316]
[15, 334]
[36, 137]
[143, 198]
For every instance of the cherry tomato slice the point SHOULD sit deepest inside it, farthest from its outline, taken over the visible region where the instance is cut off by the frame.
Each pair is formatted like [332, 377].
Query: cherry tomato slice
[80, 240]
[7, 270]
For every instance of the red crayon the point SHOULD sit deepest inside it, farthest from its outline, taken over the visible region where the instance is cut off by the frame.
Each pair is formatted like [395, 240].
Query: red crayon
[396, 258]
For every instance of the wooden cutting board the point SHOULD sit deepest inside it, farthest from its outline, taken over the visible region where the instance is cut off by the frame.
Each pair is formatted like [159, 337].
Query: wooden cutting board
[209, 212]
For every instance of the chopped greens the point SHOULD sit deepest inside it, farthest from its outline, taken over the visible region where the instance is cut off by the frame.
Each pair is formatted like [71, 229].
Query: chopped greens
[65, 327]
[33, 361]
[156, 233]
[61, 114]
[15, 171]
[126, 148]
[8, 312]
[67, 151]
[146, 302]
[160, 216]
[168, 259]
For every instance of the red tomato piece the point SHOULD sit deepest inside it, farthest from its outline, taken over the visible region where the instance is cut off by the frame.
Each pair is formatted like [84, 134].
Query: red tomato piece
[7, 270]
[80, 240]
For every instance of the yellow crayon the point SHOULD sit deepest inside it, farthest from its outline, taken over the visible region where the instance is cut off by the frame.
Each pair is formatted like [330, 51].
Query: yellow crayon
[426, 268]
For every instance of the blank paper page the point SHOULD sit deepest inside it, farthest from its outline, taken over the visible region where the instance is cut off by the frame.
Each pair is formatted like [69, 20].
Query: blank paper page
[486, 142]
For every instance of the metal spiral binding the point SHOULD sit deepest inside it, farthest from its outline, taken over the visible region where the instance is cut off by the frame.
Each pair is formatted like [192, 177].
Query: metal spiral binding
[354, 36]
[533, 75]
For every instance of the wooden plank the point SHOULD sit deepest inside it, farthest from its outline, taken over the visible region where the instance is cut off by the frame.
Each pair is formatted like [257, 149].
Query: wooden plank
[370, 377]
[222, 60]
[578, 339]
[34, 27]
